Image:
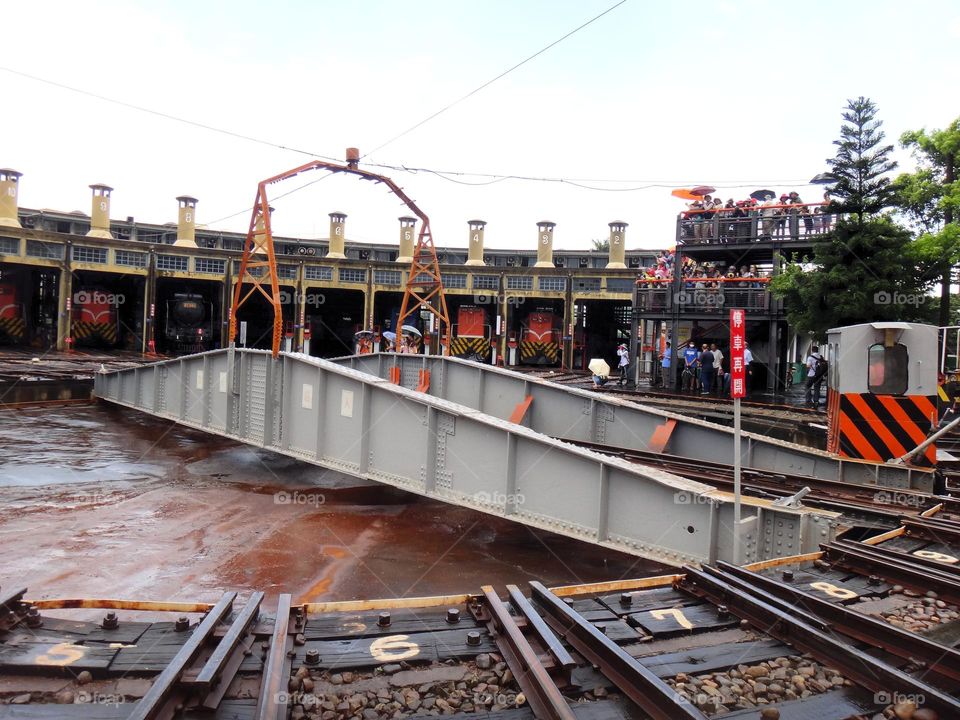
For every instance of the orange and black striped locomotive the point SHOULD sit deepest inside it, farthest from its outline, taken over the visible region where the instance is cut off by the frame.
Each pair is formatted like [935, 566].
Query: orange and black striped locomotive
[95, 318]
[471, 334]
[13, 322]
[541, 338]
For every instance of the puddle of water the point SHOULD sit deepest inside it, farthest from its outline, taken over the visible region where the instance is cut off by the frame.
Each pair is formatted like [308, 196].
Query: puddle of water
[118, 504]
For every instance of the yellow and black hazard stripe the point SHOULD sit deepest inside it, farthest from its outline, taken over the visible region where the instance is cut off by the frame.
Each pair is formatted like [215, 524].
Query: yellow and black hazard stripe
[882, 427]
[539, 353]
[13, 328]
[92, 332]
[470, 347]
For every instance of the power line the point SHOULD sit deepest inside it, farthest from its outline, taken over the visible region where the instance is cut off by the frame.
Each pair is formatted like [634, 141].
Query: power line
[501, 75]
[165, 115]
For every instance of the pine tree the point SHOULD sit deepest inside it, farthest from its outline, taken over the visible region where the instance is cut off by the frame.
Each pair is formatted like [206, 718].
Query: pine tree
[864, 269]
[862, 164]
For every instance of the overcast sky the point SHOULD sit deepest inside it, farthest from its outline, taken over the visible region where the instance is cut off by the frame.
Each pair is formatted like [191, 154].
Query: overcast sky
[732, 93]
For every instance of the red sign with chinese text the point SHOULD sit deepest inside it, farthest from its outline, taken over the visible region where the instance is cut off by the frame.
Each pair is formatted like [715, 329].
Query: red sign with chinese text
[738, 339]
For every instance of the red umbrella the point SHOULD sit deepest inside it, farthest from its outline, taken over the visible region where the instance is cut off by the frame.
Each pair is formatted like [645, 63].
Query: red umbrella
[685, 194]
[702, 190]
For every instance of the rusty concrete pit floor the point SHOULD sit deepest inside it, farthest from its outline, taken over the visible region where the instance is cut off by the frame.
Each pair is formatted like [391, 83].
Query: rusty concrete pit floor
[100, 501]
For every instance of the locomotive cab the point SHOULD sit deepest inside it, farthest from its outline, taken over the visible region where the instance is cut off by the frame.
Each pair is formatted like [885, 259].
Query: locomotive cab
[882, 388]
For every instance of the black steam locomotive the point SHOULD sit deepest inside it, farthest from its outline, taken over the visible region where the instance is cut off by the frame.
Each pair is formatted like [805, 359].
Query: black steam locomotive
[189, 324]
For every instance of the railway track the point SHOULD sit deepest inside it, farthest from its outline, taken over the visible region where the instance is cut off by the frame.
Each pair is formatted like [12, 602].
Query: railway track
[858, 630]
[858, 501]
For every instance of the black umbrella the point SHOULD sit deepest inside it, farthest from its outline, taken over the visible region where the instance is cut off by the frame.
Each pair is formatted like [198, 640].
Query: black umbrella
[760, 195]
[823, 179]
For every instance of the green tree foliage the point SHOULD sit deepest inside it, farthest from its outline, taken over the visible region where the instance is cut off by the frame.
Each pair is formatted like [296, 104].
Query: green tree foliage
[601, 245]
[862, 271]
[930, 200]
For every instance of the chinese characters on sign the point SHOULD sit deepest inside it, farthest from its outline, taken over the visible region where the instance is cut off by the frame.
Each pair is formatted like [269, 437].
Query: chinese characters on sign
[738, 374]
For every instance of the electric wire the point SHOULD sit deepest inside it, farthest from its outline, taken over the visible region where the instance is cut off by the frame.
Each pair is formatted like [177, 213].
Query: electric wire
[490, 82]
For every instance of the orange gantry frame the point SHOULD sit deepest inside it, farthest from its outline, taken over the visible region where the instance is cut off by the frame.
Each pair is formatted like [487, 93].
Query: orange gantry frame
[424, 288]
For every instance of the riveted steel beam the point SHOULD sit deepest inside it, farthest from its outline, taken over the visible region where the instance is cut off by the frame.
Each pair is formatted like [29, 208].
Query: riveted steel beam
[361, 424]
[578, 414]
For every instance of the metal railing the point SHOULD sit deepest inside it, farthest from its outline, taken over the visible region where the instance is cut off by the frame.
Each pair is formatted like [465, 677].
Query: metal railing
[704, 295]
[755, 223]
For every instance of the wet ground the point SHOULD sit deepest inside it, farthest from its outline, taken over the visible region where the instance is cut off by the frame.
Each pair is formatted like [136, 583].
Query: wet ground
[99, 501]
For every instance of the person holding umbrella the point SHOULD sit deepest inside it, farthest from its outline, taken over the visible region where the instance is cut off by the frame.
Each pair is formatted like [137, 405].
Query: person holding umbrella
[600, 370]
[391, 338]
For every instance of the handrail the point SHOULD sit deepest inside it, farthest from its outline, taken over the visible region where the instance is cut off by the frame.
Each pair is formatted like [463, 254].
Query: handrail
[749, 208]
[688, 279]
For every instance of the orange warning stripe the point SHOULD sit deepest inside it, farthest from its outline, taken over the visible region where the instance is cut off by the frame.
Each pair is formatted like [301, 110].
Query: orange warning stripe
[877, 424]
[879, 427]
[917, 433]
[863, 448]
[906, 422]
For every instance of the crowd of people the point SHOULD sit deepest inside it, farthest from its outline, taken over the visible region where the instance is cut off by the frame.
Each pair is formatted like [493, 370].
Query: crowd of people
[711, 220]
[714, 274]
[704, 370]
[697, 275]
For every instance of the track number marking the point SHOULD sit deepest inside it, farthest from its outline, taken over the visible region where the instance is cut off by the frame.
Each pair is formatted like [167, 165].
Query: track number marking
[833, 591]
[939, 557]
[675, 613]
[60, 654]
[393, 648]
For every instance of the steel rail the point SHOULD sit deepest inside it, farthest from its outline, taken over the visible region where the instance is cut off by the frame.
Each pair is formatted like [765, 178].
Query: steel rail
[272, 703]
[902, 643]
[824, 491]
[216, 663]
[655, 697]
[854, 664]
[542, 693]
[899, 567]
[560, 655]
[919, 560]
[154, 702]
[933, 528]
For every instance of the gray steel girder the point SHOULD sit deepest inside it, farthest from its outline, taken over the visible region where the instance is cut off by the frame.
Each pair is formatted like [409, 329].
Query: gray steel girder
[576, 414]
[358, 423]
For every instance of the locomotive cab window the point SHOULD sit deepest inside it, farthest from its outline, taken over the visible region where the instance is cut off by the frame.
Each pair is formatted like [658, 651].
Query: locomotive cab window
[887, 369]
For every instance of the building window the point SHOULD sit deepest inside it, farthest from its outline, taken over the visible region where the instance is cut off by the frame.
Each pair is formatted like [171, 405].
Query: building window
[353, 275]
[287, 272]
[387, 277]
[553, 283]
[486, 282]
[620, 285]
[173, 262]
[130, 259]
[887, 369]
[588, 284]
[9, 246]
[454, 281]
[519, 282]
[36, 248]
[89, 254]
[209, 266]
[318, 272]
[230, 244]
